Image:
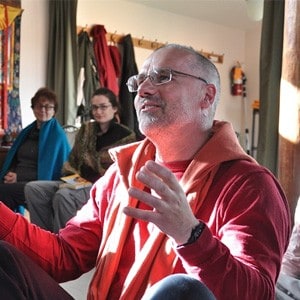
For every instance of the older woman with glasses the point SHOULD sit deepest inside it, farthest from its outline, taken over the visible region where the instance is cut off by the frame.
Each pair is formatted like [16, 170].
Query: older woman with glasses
[38, 153]
[50, 203]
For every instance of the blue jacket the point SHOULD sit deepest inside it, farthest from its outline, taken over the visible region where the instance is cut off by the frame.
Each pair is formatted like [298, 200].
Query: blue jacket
[53, 150]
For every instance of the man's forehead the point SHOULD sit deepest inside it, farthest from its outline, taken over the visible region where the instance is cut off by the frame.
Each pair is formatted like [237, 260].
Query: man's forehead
[165, 58]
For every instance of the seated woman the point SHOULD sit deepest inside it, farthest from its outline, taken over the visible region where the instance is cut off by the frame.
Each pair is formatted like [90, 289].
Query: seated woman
[50, 206]
[38, 153]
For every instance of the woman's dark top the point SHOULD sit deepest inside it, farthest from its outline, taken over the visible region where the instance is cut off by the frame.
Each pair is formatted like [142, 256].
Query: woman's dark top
[26, 159]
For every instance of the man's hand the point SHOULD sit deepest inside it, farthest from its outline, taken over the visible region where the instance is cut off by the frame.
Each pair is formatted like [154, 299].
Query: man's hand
[10, 177]
[171, 212]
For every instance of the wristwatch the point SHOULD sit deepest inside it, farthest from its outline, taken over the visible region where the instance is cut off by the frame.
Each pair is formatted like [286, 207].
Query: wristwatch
[195, 234]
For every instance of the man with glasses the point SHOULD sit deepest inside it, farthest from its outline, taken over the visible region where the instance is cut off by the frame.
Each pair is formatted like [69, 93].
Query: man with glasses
[183, 214]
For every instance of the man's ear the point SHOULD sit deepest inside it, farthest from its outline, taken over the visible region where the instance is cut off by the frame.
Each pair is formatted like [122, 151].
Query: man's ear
[209, 97]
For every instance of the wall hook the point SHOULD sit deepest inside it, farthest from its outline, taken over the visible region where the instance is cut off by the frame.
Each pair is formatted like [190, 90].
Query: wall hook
[141, 41]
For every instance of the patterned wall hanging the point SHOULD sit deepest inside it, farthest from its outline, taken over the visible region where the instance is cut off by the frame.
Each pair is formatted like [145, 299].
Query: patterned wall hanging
[10, 115]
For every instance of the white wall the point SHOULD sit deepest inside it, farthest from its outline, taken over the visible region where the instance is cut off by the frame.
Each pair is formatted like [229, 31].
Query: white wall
[34, 41]
[152, 24]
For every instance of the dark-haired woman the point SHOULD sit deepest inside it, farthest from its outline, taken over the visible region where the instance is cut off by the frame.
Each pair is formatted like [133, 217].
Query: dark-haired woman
[49, 205]
[38, 153]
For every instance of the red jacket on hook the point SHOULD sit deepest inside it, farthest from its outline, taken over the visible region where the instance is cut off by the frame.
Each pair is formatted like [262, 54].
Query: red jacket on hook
[106, 69]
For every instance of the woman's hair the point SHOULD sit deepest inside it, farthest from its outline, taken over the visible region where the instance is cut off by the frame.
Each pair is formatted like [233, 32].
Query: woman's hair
[45, 93]
[113, 99]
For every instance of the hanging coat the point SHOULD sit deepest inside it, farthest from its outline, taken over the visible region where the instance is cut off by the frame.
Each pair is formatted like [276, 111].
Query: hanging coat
[87, 61]
[105, 66]
[129, 68]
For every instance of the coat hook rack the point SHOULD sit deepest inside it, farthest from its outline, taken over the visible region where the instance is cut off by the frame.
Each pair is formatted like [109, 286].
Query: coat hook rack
[151, 45]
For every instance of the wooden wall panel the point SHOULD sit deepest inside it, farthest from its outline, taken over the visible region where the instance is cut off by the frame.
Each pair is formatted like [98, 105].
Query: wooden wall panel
[289, 117]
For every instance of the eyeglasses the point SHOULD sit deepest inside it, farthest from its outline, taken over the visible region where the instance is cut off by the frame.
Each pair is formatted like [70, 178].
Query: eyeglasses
[102, 107]
[157, 77]
[41, 106]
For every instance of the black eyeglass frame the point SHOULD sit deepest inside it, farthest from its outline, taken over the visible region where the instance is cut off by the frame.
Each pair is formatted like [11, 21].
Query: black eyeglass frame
[102, 107]
[172, 72]
[47, 107]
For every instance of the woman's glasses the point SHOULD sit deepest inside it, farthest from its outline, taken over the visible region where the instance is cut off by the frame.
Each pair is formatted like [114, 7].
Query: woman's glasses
[47, 107]
[102, 107]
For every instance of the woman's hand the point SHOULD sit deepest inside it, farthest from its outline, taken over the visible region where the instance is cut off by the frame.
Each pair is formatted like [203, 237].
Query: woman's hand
[171, 211]
[10, 177]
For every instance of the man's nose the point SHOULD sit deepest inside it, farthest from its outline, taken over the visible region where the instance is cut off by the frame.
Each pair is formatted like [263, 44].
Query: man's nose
[146, 87]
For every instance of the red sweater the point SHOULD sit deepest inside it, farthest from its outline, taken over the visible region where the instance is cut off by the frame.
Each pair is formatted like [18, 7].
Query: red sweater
[238, 255]
[248, 235]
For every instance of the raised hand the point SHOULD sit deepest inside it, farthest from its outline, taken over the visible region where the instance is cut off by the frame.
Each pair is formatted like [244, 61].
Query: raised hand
[171, 212]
